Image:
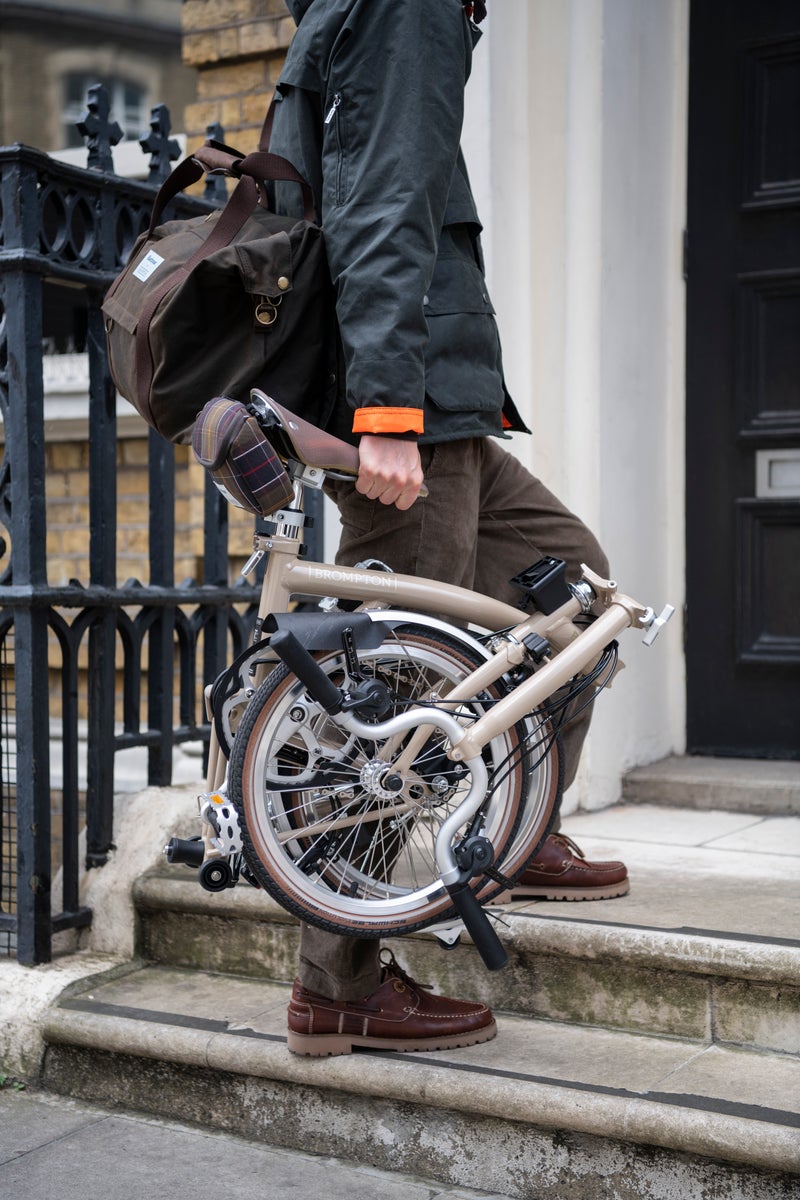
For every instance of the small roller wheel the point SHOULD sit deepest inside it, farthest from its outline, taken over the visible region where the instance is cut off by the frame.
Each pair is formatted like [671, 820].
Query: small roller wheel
[215, 875]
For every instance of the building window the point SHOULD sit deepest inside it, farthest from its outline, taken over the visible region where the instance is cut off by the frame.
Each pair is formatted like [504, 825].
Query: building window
[129, 105]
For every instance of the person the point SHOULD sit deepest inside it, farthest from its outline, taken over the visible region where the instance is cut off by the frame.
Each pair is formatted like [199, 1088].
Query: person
[369, 108]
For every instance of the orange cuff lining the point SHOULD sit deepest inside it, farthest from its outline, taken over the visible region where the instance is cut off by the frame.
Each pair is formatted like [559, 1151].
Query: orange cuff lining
[388, 420]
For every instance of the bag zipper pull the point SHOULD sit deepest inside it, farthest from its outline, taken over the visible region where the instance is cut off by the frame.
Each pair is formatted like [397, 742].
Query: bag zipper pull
[337, 100]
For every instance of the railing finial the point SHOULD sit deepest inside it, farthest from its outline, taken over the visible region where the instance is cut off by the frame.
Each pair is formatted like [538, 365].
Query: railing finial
[100, 133]
[161, 147]
[215, 188]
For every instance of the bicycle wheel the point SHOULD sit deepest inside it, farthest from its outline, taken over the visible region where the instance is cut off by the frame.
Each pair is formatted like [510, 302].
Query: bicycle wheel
[341, 829]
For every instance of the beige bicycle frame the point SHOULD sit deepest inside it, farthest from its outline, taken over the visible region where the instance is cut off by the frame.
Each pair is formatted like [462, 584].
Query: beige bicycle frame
[576, 650]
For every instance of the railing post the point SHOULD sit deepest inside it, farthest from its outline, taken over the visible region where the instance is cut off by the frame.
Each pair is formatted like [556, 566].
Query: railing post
[25, 441]
[215, 572]
[100, 131]
[160, 669]
[102, 573]
[163, 149]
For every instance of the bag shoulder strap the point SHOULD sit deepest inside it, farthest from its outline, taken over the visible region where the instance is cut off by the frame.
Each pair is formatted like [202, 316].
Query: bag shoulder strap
[266, 129]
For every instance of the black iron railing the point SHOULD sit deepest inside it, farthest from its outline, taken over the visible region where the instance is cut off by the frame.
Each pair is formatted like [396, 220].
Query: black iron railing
[64, 227]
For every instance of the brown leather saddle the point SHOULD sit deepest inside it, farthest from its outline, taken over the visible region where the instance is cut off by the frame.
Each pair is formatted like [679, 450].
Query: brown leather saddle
[292, 437]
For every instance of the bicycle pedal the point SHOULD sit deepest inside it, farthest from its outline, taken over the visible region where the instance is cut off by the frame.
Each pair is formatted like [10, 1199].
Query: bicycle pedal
[498, 877]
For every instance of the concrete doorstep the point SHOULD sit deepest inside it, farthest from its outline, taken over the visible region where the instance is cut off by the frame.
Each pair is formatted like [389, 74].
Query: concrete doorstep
[734, 784]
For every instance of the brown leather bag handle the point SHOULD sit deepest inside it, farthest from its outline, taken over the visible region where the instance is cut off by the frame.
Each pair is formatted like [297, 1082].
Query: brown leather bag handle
[215, 156]
[184, 175]
[261, 166]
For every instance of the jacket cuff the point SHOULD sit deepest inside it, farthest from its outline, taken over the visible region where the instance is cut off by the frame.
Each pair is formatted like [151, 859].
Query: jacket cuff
[380, 419]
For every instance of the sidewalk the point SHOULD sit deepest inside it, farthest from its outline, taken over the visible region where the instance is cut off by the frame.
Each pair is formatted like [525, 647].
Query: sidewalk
[52, 1146]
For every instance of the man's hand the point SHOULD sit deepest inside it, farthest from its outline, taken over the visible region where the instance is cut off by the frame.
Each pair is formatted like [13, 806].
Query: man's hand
[389, 470]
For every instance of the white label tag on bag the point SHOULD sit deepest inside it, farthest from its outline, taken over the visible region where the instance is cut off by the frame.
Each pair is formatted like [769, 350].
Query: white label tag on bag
[151, 262]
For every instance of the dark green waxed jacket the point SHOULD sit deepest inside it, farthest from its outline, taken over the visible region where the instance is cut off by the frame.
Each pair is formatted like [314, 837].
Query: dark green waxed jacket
[370, 108]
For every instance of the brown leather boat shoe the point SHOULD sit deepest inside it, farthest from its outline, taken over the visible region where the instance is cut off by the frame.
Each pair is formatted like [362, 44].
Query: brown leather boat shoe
[401, 1015]
[561, 871]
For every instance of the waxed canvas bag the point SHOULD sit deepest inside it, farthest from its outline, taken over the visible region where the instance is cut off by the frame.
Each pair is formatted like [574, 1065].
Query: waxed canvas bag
[217, 304]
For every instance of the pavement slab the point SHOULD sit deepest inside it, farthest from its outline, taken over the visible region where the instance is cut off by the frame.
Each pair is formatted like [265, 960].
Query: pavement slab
[55, 1146]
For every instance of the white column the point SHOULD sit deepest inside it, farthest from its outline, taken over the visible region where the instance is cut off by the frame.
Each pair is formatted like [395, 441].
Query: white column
[576, 141]
[640, 444]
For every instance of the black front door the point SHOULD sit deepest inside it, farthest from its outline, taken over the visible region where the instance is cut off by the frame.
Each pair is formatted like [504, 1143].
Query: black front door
[743, 379]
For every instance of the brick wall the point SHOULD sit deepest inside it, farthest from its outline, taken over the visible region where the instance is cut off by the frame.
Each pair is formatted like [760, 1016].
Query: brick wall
[237, 48]
[68, 514]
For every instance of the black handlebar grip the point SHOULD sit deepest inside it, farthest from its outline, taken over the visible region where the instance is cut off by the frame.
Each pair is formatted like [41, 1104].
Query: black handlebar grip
[478, 926]
[307, 670]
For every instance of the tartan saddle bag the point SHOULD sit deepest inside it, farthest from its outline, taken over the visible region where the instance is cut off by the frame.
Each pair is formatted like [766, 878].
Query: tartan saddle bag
[229, 442]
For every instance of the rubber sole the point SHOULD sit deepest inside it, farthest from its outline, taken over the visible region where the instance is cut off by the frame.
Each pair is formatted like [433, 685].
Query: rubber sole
[567, 893]
[322, 1045]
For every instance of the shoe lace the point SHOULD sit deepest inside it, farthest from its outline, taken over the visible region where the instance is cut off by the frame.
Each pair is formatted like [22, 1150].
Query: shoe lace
[567, 841]
[392, 968]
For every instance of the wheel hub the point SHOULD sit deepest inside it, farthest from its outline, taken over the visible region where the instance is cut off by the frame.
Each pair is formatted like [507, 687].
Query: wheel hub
[379, 779]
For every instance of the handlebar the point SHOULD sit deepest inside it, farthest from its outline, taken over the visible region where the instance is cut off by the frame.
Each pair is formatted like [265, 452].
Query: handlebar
[478, 926]
[294, 438]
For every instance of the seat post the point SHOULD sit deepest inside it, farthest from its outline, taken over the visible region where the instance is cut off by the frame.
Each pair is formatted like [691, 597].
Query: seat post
[289, 522]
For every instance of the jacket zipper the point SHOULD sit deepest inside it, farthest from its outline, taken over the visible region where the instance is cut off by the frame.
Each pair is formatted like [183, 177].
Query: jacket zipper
[340, 163]
[337, 100]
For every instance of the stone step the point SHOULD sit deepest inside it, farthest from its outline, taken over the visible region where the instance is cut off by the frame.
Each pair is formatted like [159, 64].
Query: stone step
[547, 1110]
[675, 983]
[734, 784]
[704, 946]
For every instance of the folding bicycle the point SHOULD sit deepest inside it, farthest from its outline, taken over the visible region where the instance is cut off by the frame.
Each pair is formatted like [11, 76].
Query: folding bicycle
[391, 761]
